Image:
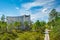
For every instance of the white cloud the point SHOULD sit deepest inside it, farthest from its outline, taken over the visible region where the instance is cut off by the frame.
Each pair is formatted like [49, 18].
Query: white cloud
[17, 8]
[23, 12]
[27, 6]
[44, 10]
[38, 15]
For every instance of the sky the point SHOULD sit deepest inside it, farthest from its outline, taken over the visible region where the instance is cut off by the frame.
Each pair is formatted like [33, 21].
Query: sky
[37, 9]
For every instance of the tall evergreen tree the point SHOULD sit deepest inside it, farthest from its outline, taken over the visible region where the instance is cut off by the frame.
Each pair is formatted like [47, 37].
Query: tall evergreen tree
[3, 18]
[55, 25]
[52, 15]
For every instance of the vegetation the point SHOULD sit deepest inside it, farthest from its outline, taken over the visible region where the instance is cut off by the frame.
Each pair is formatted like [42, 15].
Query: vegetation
[35, 32]
[54, 25]
[3, 18]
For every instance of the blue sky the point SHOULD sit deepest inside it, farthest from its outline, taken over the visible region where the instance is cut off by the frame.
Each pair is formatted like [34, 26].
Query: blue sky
[38, 9]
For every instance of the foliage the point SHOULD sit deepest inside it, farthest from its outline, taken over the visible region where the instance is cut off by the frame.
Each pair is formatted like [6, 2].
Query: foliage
[30, 36]
[25, 35]
[55, 24]
[27, 25]
[17, 25]
[3, 18]
[3, 26]
[37, 29]
[53, 14]
[39, 26]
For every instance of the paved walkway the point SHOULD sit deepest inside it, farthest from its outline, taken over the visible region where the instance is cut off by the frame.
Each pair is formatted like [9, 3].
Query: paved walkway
[46, 34]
